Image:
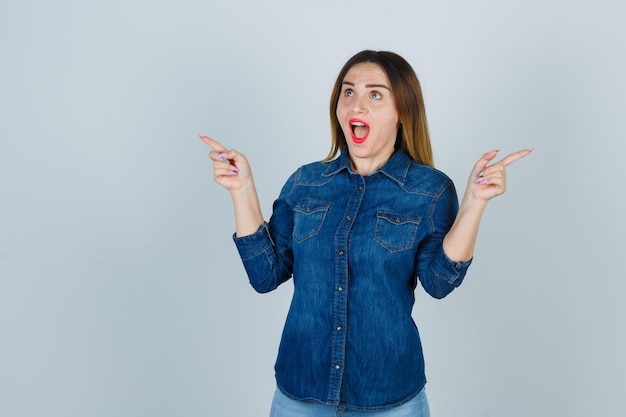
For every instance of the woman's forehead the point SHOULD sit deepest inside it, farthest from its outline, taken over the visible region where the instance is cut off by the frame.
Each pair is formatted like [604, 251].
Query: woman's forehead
[366, 72]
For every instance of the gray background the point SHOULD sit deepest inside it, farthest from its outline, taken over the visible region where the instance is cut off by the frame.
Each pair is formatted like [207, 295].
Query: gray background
[121, 293]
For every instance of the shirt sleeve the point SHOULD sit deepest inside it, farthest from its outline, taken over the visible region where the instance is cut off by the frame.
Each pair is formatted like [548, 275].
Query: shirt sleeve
[266, 254]
[438, 274]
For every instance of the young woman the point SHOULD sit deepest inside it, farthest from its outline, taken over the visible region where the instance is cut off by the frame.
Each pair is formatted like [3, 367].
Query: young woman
[357, 231]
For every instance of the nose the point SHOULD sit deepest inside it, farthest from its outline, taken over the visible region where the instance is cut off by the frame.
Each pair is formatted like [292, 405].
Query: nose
[359, 105]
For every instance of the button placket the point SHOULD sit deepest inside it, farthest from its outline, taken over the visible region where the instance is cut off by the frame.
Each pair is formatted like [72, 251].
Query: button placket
[340, 299]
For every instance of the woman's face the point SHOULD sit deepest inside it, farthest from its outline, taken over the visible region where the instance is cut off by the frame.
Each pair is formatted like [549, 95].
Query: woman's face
[367, 115]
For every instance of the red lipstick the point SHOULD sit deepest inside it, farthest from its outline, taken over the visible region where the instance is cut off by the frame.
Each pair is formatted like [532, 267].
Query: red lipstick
[359, 130]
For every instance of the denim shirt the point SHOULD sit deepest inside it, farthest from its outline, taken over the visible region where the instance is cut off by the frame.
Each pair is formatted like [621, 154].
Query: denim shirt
[355, 247]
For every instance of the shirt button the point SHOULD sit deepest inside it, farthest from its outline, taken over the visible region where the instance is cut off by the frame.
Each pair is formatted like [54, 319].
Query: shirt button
[340, 253]
[337, 367]
[340, 289]
[348, 218]
[360, 187]
[338, 328]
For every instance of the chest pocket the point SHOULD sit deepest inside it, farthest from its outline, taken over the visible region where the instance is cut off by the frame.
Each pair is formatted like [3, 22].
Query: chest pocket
[308, 219]
[395, 231]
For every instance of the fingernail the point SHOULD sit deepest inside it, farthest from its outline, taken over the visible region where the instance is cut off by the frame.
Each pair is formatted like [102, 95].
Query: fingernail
[234, 168]
[224, 160]
[481, 173]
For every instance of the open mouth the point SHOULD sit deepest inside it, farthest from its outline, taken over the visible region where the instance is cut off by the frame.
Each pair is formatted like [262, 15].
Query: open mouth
[360, 130]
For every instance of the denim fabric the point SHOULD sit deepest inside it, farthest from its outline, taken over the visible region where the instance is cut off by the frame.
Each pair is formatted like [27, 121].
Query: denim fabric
[283, 406]
[355, 247]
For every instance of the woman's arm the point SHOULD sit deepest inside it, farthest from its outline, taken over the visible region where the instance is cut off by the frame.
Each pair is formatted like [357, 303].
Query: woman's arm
[232, 171]
[485, 183]
[264, 248]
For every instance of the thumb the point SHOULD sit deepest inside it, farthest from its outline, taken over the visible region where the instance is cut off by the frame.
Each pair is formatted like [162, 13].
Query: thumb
[484, 160]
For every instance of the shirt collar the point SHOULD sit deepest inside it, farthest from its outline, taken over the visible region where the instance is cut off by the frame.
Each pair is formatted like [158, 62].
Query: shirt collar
[395, 168]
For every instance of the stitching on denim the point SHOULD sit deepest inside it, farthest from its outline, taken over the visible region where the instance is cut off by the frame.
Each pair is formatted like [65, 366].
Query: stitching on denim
[316, 216]
[271, 258]
[434, 202]
[254, 254]
[383, 221]
[450, 279]
[318, 181]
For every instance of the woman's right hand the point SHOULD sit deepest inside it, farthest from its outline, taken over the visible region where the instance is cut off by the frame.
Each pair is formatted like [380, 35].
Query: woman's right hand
[231, 169]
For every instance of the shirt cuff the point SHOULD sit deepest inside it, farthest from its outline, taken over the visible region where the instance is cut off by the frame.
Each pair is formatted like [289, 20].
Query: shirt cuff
[252, 245]
[454, 270]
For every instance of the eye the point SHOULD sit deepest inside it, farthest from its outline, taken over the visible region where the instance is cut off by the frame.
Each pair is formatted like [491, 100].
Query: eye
[348, 93]
[376, 95]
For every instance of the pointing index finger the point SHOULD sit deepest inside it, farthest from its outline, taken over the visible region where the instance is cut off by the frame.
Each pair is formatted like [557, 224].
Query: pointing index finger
[509, 159]
[212, 143]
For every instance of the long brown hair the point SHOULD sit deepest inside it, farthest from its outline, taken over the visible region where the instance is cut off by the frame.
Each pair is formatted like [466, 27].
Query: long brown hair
[412, 134]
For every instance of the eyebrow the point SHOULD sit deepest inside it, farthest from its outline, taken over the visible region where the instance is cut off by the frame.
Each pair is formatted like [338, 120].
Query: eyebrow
[368, 85]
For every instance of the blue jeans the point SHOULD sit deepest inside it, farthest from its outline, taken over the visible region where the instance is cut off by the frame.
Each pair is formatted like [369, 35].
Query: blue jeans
[283, 406]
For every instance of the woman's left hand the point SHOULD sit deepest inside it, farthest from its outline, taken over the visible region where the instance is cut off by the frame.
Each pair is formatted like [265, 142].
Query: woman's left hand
[488, 181]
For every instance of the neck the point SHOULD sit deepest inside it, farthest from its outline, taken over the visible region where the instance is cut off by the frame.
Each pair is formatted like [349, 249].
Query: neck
[366, 166]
